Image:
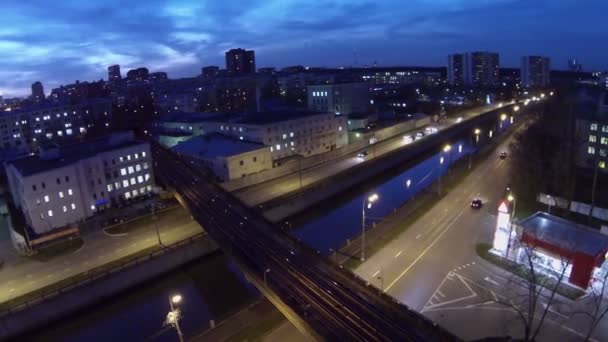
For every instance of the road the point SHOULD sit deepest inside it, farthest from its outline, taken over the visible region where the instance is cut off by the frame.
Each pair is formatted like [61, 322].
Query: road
[264, 192]
[325, 300]
[21, 275]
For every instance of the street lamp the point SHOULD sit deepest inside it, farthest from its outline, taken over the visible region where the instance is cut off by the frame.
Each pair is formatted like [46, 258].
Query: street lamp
[174, 315]
[511, 199]
[477, 133]
[266, 272]
[516, 109]
[549, 204]
[370, 200]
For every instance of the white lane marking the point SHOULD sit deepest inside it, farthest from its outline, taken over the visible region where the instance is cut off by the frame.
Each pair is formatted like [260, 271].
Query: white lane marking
[554, 311]
[398, 254]
[418, 236]
[375, 274]
[492, 281]
[425, 251]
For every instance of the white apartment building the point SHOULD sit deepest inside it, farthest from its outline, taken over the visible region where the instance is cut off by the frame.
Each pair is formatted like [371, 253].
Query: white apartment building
[285, 133]
[65, 185]
[228, 157]
[26, 128]
[340, 98]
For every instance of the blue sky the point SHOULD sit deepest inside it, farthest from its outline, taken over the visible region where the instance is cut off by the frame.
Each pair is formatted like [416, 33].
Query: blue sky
[60, 41]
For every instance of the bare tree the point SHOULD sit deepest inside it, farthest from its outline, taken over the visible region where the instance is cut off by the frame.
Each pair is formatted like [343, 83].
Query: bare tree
[598, 306]
[532, 283]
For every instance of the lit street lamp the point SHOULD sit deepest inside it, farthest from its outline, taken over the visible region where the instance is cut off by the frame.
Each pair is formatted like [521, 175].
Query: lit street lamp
[477, 133]
[516, 109]
[511, 199]
[371, 199]
[549, 204]
[174, 315]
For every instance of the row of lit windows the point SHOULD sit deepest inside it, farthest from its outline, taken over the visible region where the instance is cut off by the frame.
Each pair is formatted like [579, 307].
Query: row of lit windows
[594, 127]
[65, 210]
[319, 93]
[136, 192]
[61, 194]
[128, 182]
[135, 156]
[591, 150]
[131, 169]
[603, 140]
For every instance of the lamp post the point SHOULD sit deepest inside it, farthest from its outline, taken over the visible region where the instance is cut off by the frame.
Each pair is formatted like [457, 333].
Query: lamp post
[155, 218]
[371, 199]
[266, 272]
[549, 204]
[511, 199]
[503, 117]
[174, 315]
[477, 132]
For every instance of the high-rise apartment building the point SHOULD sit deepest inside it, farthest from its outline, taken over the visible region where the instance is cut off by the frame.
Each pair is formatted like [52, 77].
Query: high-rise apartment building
[114, 76]
[240, 62]
[37, 92]
[477, 68]
[456, 69]
[535, 71]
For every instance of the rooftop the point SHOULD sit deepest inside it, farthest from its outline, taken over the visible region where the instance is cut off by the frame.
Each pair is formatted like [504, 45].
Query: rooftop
[65, 155]
[52, 105]
[215, 145]
[565, 234]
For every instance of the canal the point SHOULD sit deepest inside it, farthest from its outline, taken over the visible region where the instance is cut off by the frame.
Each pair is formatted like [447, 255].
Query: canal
[212, 288]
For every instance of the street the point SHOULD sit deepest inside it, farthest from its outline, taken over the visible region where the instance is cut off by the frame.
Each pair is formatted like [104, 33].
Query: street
[21, 275]
[266, 191]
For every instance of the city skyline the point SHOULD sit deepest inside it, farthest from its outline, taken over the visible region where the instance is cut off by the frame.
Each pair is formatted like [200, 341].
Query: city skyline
[63, 42]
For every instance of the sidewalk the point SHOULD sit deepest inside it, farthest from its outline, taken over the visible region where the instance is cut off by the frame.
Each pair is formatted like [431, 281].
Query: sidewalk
[21, 275]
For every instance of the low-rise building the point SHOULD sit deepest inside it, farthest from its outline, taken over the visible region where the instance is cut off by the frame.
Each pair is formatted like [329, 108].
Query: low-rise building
[340, 98]
[64, 185]
[229, 158]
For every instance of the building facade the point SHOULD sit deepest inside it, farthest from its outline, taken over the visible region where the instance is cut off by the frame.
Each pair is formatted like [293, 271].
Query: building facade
[339, 98]
[456, 69]
[535, 71]
[26, 128]
[64, 186]
[476, 69]
[592, 131]
[38, 92]
[240, 62]
[114, 76]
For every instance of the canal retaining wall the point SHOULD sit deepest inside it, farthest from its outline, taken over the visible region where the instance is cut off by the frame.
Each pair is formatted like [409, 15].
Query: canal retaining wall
[42, 311]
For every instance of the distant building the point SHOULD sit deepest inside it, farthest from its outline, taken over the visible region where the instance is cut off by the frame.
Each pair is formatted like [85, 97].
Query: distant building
[398, 75]
[535, 71]
[63, 186]
[158, 76]
[574, 65]
[456, 69]
[114, 76]
[228, 157]
[27, 127]
[339, 98]
[267, 71]
[592, 130]
[78, 91]
[286, 133]
[38, 92]
[477, 68]
[210, 72]
[240, 62]
[138, 75]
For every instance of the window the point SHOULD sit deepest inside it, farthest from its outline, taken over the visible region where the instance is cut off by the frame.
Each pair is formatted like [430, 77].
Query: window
[278, 147]
[92, 206]
[65, 208]
[128, 157]
[145, 165]
[140, 179]
[73, 206]
[591, 150]
[592, 138]
[110, 187]
[38, 201]
[284, 136]
[135, 192]
[120, 159]
[60, 194]
[602, 152]
[125, 183]
[70, 192]
[127, 195]
[602, 164]
[604, 128]
[41, 216]
[131, 169]
[241, 163]
[123, 171]
[46, 198]
[67, 179]
[34, 187]
[604, 140]
[255, 159]
[137, 168]
[43, 185]
[50, 213]
[137, 155]
[133, 181]
[147, 176]
[143, 154]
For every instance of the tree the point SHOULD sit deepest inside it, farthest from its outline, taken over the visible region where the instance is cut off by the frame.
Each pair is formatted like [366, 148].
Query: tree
[598, 307]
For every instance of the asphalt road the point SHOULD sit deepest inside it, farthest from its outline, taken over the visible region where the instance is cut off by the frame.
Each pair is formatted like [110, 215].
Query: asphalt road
[267, 191]
[21, 275]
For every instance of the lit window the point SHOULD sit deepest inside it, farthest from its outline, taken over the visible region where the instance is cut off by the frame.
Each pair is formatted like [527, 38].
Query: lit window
[42, 216]
[60, 194]
[110, 187]
[123, 171]
[50, 213]
[125, 183]
[271, 149]
[149, 188]
[143, 154]
[70, 192]
[278, 147]
[140, 179]
[46, 198]
[292, 143]
[73, 206]
[131, 169]
[604, 140]
[339, 128]
[604, 128]
[121, 159]
[133, 181]
[291, 134]
[591, 150]
[92, 206]
[137, 155]
[128, 157]
[284, 136]
[592, 138]
[602, 164]
[135, 192]
[138, 167]
[65, 208]
[145, 165]
[117, 185]
[147, 176]
[127, 195]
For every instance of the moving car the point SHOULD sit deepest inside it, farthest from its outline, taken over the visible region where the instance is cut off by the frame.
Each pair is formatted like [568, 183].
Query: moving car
[476, 203]
[362, 154]
[419, 135]
[503, 155]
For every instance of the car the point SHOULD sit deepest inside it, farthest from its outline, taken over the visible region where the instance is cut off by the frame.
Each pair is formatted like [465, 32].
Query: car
[362, 154]
[502, 155]
[476, 203]
[419, 135]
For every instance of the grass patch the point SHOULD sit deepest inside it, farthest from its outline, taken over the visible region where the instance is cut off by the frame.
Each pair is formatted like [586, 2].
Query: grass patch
[483, 250]
[54, 287]
[257, 331]
[58, 249]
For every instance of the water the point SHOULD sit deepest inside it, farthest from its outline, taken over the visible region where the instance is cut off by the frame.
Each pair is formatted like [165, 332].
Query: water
[213, 287]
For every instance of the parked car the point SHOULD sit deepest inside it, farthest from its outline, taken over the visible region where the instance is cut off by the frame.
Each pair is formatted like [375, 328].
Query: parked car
[476, 203]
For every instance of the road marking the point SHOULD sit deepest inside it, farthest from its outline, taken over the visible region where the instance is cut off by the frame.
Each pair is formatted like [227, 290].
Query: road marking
[425, 251]
[554, 311]
[375, 274]
[398, 254]
[492, 281]
[418, 236]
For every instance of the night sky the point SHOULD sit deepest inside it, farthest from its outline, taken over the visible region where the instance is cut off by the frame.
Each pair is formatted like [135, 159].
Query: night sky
[59, 41]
